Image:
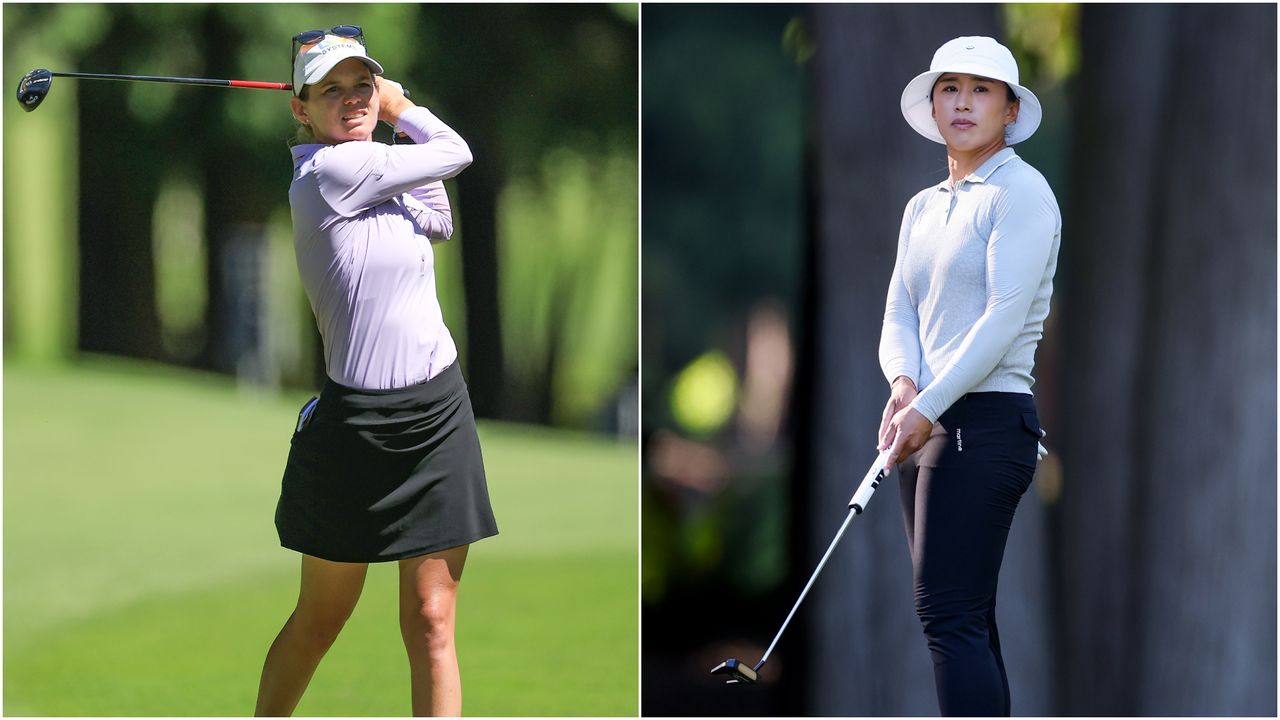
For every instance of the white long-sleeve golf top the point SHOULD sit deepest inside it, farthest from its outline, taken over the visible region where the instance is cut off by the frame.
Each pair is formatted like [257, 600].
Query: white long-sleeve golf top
[364, 215]
[971, 285]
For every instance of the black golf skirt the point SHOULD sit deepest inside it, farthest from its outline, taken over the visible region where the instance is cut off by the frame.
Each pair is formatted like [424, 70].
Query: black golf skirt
[379, 475]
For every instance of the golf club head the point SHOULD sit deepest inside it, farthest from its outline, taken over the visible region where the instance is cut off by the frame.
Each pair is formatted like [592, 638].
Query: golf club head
[738, 672]
[33, 87]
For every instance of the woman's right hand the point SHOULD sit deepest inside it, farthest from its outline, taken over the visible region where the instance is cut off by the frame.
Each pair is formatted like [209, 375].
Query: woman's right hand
[901, 393]
[391, 100]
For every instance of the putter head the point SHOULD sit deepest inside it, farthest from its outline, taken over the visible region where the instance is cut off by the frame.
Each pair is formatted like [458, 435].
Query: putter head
[33, 87]
[737, 672]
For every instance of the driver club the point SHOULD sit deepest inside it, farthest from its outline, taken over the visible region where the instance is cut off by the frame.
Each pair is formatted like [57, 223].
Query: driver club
[35, 85]
[739, 672]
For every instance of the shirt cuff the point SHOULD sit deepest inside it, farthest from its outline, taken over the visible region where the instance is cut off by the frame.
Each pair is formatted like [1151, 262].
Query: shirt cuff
[894, 370]
[922, 405]
[419, 123]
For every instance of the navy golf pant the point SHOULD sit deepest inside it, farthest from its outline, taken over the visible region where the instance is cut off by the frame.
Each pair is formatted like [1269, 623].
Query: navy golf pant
[959, 494]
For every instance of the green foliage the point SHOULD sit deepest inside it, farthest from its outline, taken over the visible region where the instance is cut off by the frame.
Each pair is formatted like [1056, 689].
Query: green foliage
[628, 11]
[704, 394]
[724, 231]
[166, 594]
[724, 188]
[40, 254]
[1044, 37]
[567, 249]
[528, 86]
[1045, 40]
[180, 256]
[798, 42]
[55, 31]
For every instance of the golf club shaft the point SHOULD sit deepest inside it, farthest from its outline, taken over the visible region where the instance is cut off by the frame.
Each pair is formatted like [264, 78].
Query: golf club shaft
[179, 80]
[808, 585]
[857, 504]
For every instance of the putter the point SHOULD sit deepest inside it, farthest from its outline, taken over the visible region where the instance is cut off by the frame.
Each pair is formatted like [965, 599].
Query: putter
[739, 672]
[34, 86]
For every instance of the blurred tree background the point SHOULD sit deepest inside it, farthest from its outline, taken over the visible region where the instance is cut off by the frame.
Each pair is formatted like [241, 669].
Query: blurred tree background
[1140, 575]
[152, 221]
[723, 248]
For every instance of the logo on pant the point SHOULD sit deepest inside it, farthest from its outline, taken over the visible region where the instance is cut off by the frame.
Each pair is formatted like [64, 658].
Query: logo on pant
[959, 442]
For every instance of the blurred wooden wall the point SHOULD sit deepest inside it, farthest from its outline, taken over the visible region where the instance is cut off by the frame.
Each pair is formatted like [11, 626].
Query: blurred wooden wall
[1168, 573]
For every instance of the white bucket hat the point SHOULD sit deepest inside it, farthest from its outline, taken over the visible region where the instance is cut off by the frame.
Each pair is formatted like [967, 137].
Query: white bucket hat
[315, 62]
[971, 56]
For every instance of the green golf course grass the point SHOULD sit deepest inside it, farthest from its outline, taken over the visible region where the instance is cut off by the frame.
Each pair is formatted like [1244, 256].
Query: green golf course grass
[143, 576]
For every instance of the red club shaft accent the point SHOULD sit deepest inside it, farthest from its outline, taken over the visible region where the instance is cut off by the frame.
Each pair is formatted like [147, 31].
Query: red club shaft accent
[260, 85]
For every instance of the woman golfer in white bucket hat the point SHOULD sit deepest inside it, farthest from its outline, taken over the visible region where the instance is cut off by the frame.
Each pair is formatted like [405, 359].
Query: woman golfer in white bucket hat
[966, 307]
[385, 465]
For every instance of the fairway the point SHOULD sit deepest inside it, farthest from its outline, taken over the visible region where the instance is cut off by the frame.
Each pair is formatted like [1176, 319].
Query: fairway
[143, 576]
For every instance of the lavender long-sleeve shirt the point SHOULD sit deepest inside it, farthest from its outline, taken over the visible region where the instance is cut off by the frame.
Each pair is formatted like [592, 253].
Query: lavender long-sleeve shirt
[971, 286]
[364, 216]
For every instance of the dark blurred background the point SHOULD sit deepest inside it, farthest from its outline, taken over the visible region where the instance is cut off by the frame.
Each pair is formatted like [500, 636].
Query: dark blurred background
[152, 221]
[1140, 574]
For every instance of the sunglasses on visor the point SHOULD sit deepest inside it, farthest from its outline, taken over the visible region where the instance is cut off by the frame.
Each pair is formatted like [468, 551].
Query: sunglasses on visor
[303, 41]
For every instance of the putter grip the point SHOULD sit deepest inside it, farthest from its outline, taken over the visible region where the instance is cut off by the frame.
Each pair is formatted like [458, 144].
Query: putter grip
[862, 496]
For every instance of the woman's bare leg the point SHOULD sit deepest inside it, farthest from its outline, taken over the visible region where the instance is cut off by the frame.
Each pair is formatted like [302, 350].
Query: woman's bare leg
[328, 595]
[428, 593]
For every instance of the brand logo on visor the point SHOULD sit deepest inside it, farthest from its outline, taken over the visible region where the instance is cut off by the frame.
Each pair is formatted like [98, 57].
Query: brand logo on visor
[332, 43]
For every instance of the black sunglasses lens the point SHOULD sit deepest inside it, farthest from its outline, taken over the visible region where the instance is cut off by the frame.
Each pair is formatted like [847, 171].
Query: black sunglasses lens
[309, 36]
[348, 31]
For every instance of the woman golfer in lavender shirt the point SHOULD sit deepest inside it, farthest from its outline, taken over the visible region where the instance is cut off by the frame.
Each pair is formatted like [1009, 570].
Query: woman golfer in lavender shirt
[966, 308]
[385, 465]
